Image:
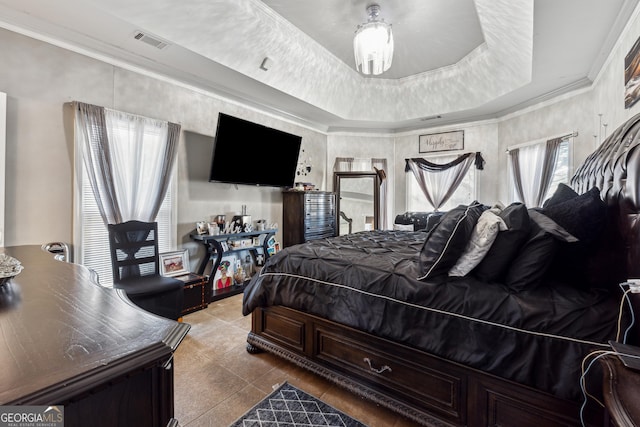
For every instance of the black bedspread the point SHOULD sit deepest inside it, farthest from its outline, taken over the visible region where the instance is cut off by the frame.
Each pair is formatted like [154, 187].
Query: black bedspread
[368, 281]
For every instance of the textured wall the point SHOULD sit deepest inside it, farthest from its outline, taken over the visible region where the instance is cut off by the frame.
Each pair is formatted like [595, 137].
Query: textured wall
[362, 146]
[579, 111]
[482, 137]
[40, 78]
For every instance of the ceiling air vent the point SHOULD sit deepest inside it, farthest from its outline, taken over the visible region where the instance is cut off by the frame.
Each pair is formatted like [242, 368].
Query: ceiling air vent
[151, 41]
[424, 119]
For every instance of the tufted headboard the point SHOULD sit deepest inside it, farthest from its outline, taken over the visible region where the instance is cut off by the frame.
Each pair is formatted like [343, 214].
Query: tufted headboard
[614, 167]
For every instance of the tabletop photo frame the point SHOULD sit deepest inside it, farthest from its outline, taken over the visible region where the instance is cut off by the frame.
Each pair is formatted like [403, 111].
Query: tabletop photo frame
[174, 263]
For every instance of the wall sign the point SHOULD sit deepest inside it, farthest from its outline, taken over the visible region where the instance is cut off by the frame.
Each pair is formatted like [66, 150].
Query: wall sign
[445, 141]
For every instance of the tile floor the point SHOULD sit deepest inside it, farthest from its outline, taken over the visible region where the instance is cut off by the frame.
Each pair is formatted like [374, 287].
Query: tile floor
[216, 380]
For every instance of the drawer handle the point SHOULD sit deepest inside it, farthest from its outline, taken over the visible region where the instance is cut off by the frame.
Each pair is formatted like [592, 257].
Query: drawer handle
[377, 371]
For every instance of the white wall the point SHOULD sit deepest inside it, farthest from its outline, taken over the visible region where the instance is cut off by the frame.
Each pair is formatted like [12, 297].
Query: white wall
[40, 78]
[3, 138]
[362, 146]
[579, 111]
[478, 137]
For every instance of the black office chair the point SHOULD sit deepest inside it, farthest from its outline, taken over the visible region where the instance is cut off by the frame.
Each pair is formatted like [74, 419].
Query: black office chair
[136, 269]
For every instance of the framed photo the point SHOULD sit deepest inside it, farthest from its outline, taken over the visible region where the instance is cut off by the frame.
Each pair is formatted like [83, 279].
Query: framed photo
[632, 75]
[174, 263]
[202, 227]
[223, 277]
[445, 141]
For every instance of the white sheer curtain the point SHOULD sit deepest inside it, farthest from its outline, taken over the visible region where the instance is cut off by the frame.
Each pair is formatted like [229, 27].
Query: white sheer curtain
[128, 159]
[438, 182]
[532, 170]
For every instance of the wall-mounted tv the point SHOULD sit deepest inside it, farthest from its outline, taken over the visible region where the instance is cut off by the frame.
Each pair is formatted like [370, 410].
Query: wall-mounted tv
[248, 153]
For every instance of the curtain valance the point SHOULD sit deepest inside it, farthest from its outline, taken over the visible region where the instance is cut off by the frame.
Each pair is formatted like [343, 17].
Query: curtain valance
[426, 165]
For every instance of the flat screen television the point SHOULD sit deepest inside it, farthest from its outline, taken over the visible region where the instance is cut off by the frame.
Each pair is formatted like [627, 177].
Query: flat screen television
[248, 153]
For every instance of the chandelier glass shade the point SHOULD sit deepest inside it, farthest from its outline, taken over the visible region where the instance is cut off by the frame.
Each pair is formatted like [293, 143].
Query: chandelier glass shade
[373, 44]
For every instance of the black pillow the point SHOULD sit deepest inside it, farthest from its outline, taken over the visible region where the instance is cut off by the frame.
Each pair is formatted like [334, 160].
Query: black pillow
[551, 227]
[447, 240]
[533, 260]
[582, 216]
[539, 253]
[507, 244]
[562, 194]
[594, 261]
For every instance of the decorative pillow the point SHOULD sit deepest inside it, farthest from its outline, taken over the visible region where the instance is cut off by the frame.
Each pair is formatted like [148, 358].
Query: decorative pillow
[582, 216]
[403, 227]
[538, 253]
[595, 260]
[533, 260]
[506, 245]
[551, 227]
[446, 241]
[562, 194]
[482, 237]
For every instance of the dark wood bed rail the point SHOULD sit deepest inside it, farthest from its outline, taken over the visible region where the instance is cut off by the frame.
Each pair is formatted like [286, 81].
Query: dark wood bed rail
[428, 390]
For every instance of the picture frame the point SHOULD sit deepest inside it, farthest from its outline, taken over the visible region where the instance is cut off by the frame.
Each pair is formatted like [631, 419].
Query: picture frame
[174, 263]
[223, 276]
[632, 75]
[202, 227]
[443, 141]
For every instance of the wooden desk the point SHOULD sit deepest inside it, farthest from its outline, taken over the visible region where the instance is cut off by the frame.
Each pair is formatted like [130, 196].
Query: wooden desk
[621, 392]
[68, 341]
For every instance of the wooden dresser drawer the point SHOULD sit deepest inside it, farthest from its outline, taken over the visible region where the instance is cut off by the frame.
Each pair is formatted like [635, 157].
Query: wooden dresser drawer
[443, 393]
[287, 332]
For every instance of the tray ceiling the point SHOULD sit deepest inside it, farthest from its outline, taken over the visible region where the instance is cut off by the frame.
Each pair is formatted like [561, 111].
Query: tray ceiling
[459, 60]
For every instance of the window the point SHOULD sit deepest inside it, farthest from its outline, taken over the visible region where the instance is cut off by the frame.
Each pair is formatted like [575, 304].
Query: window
[91, 239]
[561, 169]
[560, 172]
[464, 194]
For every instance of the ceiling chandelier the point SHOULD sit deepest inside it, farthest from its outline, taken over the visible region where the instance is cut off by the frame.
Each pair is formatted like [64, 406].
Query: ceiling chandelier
[373, 44]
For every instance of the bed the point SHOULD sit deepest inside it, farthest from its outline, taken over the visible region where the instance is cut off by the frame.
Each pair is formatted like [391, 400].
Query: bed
[449, 333]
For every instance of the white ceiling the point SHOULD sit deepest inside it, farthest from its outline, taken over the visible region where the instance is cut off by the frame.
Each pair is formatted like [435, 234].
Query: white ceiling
[462, 60]
[427, 34]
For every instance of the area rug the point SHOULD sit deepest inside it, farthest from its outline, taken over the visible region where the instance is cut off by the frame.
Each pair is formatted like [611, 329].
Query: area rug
[288, 406]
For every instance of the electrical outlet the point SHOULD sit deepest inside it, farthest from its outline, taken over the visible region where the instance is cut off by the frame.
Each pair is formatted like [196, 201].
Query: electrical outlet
[634, 285]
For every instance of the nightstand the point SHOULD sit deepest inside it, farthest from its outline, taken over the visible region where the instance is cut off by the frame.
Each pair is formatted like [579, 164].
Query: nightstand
[621, 389]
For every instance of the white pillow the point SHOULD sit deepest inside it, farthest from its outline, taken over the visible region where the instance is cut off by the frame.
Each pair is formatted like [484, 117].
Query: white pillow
[403, 227]
[482, 237]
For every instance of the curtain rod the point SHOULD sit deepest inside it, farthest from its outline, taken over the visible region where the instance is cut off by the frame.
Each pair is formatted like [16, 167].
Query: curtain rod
[537, 141]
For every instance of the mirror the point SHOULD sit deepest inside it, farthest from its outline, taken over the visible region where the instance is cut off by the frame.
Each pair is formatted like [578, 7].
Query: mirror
[358, 201]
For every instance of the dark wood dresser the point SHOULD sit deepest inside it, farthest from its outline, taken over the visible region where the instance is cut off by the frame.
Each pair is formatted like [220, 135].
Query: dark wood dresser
[68, 341]
[307, 215]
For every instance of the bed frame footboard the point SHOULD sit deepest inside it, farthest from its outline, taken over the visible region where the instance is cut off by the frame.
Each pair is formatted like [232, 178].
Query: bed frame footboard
[426, 389]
